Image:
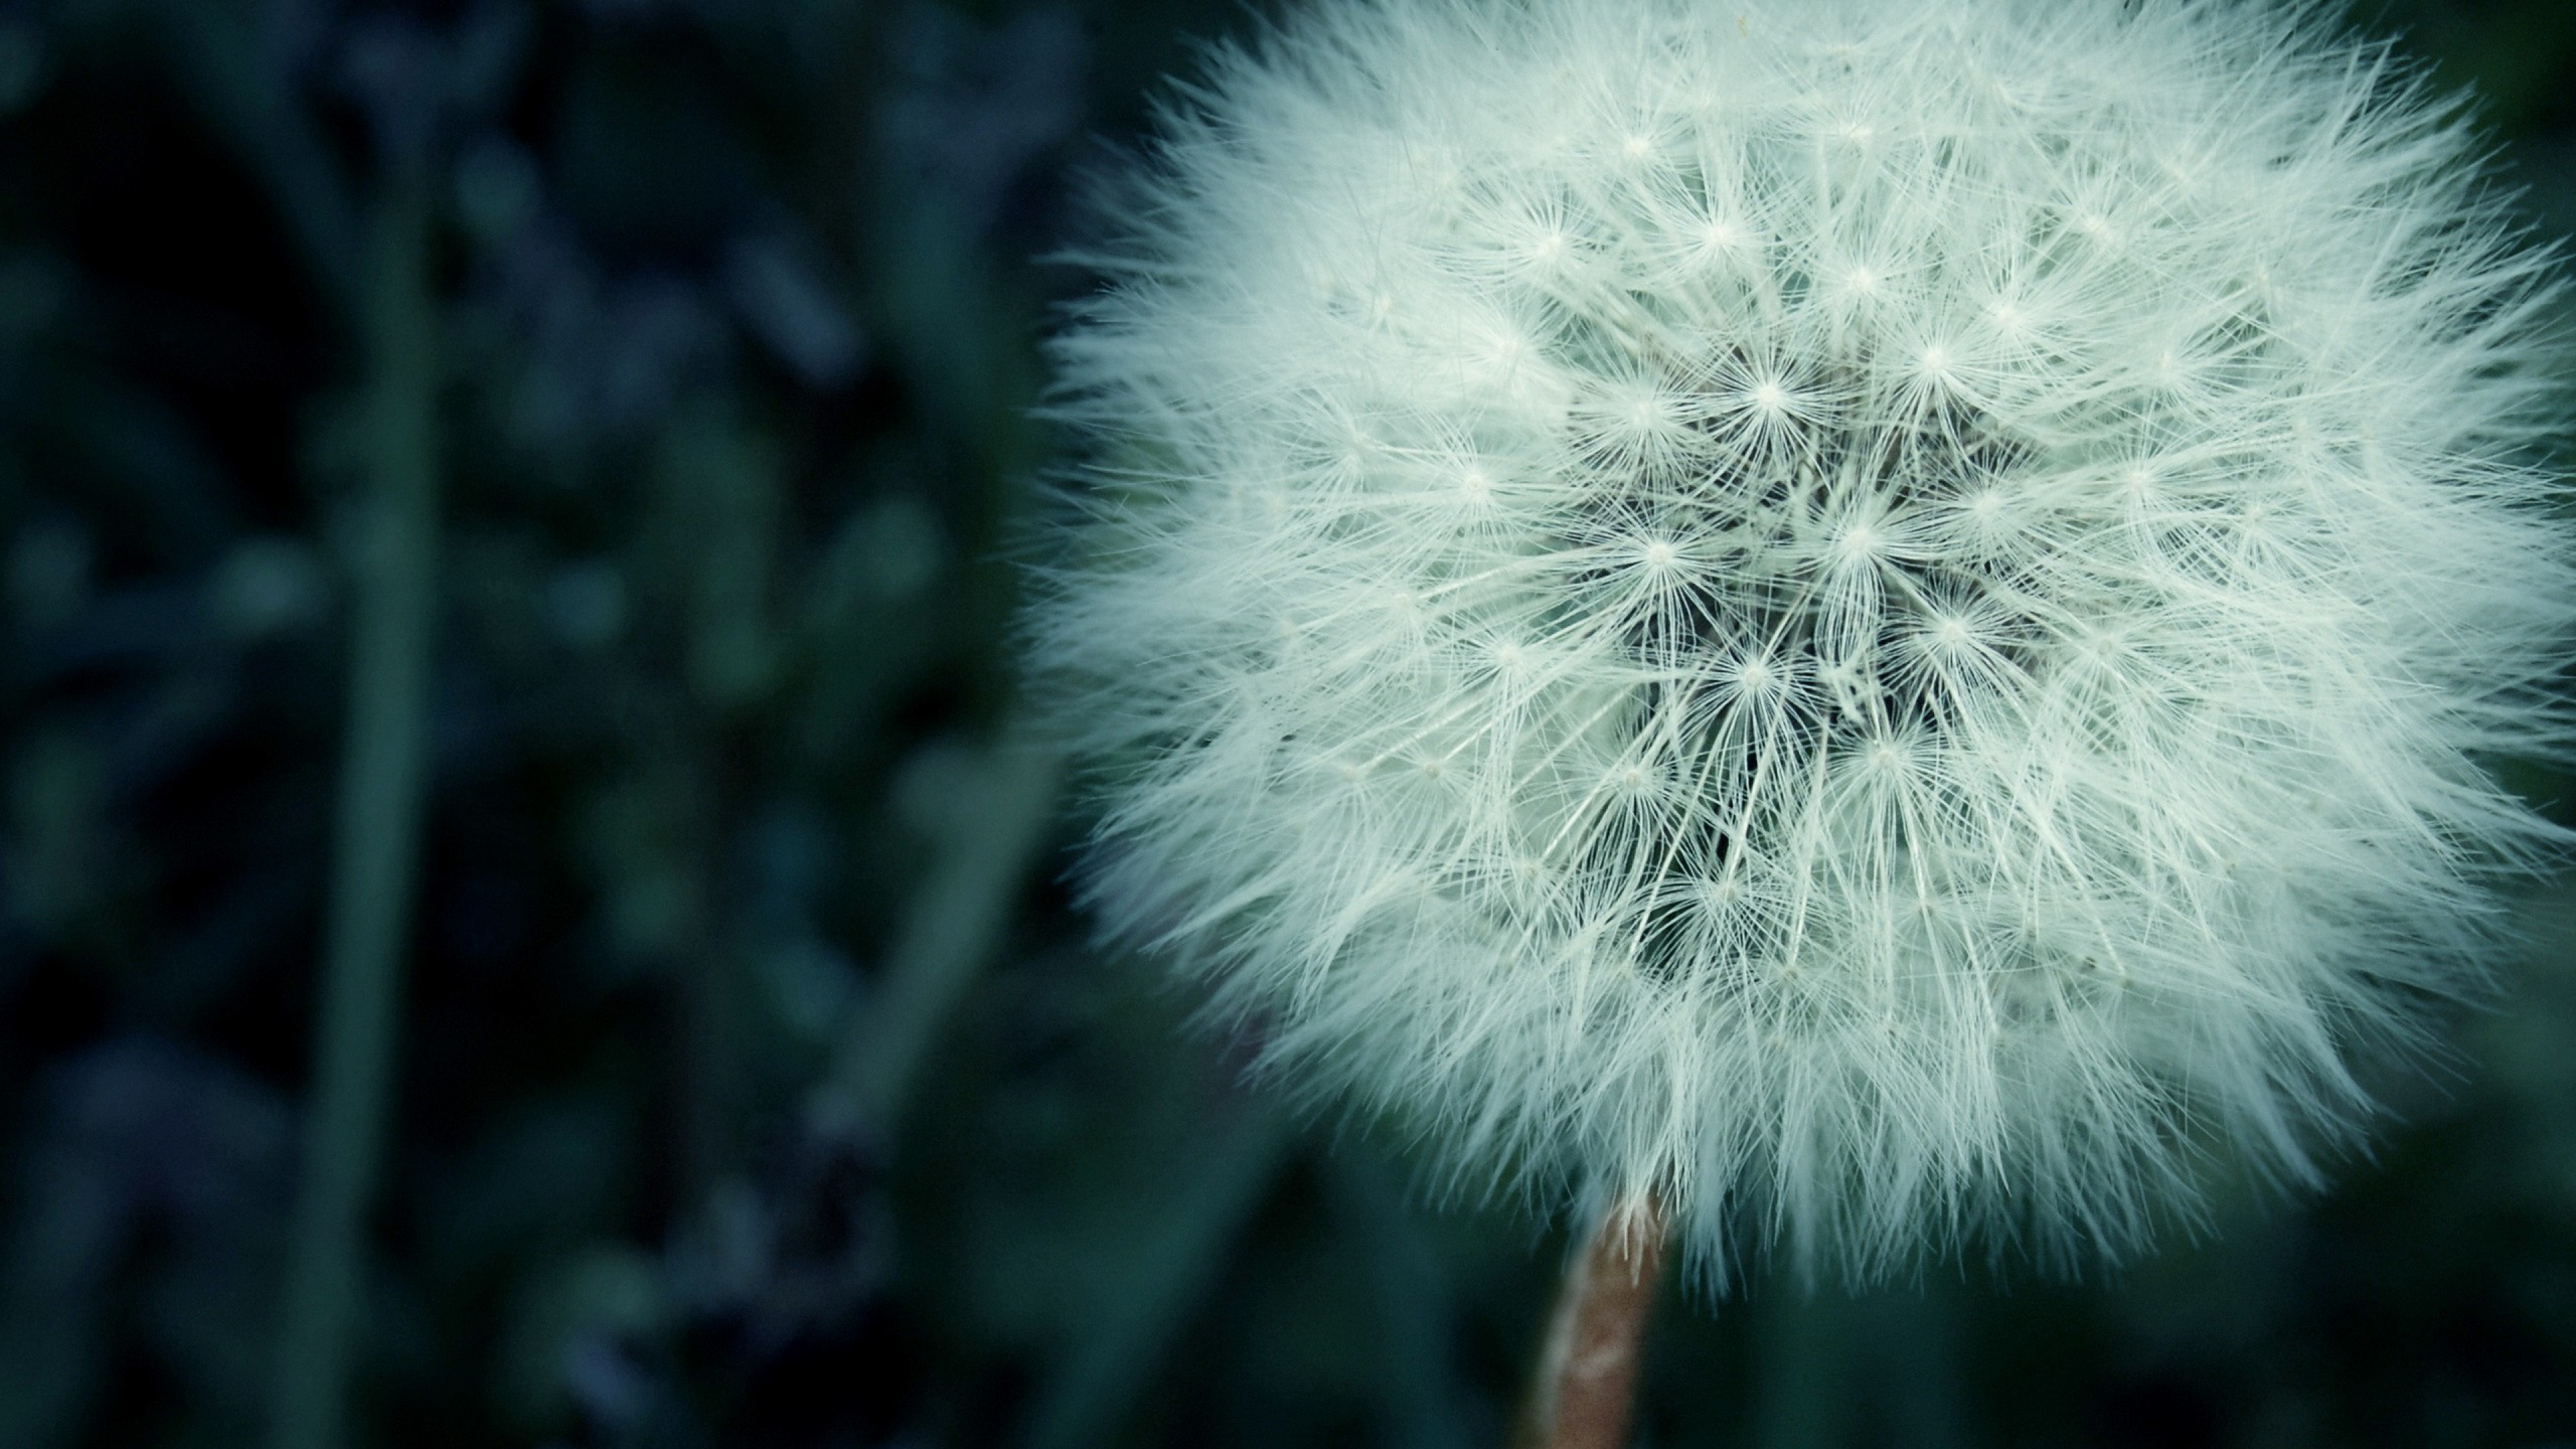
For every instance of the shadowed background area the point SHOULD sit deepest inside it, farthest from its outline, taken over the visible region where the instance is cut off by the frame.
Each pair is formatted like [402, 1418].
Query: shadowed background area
[521, 919]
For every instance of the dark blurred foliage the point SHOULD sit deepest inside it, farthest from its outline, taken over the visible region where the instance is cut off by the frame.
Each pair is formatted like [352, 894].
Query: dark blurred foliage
[755, 1084]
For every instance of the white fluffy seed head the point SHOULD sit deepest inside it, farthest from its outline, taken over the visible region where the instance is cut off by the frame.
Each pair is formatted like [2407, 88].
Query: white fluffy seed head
[1878, 618]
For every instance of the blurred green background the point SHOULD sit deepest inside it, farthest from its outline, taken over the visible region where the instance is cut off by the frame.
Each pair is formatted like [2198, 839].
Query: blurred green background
[506, 521]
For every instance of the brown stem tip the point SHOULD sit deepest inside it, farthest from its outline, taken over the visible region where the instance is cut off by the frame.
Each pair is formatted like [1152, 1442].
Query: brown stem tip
[1584, 1391]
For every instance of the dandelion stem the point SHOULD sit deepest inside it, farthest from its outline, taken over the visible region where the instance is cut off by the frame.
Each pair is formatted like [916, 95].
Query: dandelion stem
[378, 831]
[1584, 1391]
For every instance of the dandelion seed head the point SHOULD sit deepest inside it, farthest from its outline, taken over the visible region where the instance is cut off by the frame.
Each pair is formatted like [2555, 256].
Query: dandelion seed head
[1826, 631]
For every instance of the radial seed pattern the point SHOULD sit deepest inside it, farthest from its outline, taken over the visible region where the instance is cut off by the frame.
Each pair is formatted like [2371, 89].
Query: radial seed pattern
[1873, 616]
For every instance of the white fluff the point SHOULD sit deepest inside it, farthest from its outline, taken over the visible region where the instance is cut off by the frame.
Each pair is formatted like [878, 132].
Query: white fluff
[1878, 617]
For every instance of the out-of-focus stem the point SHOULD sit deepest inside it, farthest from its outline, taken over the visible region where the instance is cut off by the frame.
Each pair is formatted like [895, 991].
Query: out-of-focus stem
[956, 923]
[1584, 1391]
[215, 51]
[392, 609]
[1209, 1198]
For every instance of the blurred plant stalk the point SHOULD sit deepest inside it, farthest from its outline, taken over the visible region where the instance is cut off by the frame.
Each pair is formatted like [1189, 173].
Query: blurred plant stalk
[378, 837]
[993, 837]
